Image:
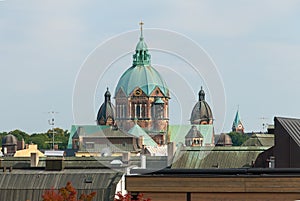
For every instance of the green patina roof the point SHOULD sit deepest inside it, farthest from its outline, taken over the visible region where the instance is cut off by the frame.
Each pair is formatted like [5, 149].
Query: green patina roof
[143, 77]
[137, 131]
[141, 74]
[213, 157]
[178, 133]
[237, 119]
[260, 140]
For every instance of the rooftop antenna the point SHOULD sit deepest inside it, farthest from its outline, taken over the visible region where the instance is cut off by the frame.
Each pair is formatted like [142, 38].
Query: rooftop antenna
[264, 124]
[51, 123]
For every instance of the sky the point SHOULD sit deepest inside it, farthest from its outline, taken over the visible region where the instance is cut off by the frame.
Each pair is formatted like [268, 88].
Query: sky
[254, 45]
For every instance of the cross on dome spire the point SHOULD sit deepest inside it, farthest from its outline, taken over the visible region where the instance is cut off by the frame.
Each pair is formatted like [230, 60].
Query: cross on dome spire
[141, 27]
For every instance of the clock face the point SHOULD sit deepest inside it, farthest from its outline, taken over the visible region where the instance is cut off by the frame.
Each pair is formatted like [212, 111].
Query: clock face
[138, 92]
[240, 126]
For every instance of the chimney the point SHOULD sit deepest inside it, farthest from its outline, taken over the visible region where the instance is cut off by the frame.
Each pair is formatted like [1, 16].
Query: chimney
[143, 161]
[141, 141]
[126, 157]
[171, 152]
[271, 162]
[34, 159]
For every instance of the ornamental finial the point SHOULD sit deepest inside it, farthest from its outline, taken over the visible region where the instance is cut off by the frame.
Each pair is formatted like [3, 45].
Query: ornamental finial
[141, 25]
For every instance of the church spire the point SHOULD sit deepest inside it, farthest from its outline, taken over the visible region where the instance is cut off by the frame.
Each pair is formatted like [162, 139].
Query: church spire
[237, 125]
[141, 56]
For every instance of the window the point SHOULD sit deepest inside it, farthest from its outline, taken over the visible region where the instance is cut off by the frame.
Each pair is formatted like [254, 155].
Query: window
[138, 111]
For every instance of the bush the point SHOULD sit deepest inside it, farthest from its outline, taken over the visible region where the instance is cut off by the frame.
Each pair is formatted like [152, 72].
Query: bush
[67, 193]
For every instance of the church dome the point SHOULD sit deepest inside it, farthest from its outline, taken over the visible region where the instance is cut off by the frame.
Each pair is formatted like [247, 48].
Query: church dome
[224, 140]
[141, 74]
[201, 113]
[144, 77]
[9, 140]
[106, 113]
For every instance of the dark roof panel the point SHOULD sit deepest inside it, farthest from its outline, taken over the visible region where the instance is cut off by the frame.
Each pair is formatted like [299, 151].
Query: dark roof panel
[292, 126]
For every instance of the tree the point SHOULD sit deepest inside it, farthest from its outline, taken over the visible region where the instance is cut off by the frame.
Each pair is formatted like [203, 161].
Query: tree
[41, 139]
[238, 138]
[128, 197]
[67, 193]
[61, 136]
[19, 134]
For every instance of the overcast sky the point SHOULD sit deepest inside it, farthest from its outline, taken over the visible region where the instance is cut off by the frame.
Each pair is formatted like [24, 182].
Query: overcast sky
[255, 46]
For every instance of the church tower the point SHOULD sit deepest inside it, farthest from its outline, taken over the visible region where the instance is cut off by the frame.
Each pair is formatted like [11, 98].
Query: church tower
[142, 95]
[237, 125]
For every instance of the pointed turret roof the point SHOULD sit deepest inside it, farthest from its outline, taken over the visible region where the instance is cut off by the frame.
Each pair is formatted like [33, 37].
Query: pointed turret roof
[237, 121]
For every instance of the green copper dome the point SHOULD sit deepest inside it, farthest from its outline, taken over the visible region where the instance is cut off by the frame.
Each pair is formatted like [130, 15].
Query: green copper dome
[141, 74]
[143, 77]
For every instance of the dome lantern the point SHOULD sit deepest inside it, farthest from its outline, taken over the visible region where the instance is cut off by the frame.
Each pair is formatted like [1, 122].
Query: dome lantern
[201, 94]
[107, 95]
[141, 56]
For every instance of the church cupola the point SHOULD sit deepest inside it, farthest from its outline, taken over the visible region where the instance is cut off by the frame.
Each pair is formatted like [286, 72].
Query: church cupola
[201, 113]
[142, 94]
[106, 113]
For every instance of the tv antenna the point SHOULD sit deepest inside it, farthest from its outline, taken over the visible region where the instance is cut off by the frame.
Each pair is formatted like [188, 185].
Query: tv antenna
[264, 124]
[52, 123]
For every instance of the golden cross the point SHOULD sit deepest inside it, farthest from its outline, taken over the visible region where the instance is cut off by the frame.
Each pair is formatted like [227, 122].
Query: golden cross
[141, 24]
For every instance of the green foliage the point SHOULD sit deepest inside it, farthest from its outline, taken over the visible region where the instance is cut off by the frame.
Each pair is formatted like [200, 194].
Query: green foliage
[238, 138]
[19, 134]
[43, 140]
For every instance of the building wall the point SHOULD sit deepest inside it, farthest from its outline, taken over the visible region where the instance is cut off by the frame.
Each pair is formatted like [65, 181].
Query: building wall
[198, 188]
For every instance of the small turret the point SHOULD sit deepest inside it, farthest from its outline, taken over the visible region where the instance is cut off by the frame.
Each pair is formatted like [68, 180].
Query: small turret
[106, 113]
